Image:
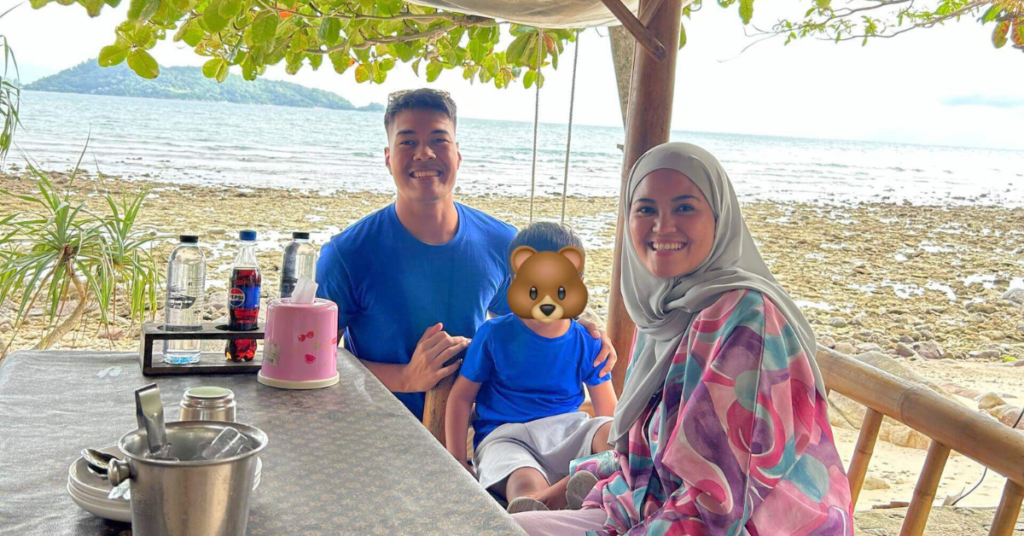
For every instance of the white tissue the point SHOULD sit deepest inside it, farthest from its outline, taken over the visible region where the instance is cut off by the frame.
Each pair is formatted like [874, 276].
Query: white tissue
[305, 290]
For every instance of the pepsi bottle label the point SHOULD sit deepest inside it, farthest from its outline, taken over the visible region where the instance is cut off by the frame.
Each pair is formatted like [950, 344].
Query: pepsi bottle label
[245, 298]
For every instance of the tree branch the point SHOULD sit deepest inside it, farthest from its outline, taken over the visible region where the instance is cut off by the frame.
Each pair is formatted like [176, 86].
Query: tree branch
[925, 24]
[392, 39]
[461, 20]
[847, 11]
[838, 23]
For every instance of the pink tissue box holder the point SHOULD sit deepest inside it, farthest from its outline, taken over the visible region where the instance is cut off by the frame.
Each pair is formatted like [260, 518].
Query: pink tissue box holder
[300, 349]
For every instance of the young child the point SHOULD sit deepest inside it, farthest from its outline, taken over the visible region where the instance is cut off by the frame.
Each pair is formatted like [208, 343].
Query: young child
[526, 377]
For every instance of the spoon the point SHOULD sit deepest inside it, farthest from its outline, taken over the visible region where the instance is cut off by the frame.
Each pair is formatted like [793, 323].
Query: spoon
[97, 461]
[96, 472]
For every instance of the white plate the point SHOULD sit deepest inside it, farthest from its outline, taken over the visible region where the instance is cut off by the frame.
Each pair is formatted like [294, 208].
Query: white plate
[117, 511]
[89, 493]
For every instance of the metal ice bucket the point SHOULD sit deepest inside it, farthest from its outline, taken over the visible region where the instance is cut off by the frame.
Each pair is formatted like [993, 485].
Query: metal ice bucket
[188, 498]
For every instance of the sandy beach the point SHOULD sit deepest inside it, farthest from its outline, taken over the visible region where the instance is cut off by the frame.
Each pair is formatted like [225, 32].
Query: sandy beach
[930, 285]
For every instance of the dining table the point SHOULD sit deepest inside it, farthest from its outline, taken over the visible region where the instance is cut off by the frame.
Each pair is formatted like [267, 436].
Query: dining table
[345, 459]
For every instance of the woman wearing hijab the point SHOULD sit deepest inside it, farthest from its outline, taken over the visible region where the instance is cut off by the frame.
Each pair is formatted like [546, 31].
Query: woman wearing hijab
[722, 427]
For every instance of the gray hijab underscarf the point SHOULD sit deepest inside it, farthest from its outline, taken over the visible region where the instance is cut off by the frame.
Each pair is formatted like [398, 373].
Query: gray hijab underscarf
[664, 308]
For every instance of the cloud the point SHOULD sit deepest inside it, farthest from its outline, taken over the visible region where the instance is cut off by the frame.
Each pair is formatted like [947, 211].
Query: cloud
[991, 101]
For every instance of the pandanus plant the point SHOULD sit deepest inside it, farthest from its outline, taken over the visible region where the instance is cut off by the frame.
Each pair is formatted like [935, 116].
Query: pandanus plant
[61, 250]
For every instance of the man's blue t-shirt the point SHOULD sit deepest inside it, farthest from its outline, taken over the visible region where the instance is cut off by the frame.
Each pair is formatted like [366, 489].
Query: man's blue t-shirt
[390, 287]
[526, 376]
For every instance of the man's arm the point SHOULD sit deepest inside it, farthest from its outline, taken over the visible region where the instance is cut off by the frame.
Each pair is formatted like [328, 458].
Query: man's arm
[456, 419]
[589, 317]
[593, 324]
[603, 397]
[392, 375]
[426, 367]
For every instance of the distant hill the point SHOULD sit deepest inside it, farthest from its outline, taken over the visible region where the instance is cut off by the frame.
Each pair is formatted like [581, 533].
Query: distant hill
[188, 83]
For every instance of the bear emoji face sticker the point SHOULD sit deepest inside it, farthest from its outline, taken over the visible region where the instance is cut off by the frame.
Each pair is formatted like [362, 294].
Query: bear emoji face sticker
[547, 285]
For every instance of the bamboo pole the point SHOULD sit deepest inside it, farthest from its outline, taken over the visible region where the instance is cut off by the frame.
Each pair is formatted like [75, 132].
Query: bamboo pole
[648, 122]
[924, 491]
[984, 440]
[434, 406]
[862, 453]
[1009, 509]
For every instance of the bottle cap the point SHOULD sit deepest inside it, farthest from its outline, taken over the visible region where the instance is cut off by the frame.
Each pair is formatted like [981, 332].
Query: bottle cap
[189, 239]
[301, 235]
[247, 235]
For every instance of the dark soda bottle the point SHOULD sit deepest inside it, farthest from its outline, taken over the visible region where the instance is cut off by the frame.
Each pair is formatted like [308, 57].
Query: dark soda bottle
[244, 298]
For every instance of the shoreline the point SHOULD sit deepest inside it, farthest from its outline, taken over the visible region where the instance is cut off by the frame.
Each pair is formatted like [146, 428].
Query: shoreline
[862, 273]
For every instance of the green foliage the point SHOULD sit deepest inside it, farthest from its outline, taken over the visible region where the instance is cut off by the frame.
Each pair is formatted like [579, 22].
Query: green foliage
[374, 35]
[190, 83]
[10, 96]
[746, 10]
[370, 35]
[999, 34]
[143, 64]
[62, 250]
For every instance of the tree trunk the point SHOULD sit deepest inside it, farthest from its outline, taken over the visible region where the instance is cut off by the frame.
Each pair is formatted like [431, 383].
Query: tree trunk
[622, 59]
[648, 123]
[70, 322]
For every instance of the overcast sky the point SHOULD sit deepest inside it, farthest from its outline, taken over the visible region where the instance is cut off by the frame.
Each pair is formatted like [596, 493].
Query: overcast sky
[945, 86]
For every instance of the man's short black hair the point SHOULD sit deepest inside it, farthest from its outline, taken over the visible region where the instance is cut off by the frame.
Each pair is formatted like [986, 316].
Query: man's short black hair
[419, 99]
[546, 236]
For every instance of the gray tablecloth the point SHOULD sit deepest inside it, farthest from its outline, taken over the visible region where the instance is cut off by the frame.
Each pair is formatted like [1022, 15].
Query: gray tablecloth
[348, 459]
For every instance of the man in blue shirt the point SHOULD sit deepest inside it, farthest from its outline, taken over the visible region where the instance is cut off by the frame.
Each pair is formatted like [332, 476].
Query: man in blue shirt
[414, 280]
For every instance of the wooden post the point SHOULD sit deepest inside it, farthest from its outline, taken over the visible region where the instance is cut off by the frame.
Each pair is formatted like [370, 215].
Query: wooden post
[649, 10]
[647, 124]
[434, 405]
[1009, 508]
[862, 454]
[924, 491]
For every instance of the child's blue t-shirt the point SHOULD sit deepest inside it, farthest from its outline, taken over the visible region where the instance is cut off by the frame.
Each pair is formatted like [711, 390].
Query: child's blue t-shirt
[390, 286]
[526, 376]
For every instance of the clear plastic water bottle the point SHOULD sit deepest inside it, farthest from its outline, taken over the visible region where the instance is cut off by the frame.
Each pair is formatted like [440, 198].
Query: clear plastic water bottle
[299, 260]
[183, 310]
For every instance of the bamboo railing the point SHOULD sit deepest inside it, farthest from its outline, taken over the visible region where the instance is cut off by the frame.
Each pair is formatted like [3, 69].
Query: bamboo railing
[951, 426]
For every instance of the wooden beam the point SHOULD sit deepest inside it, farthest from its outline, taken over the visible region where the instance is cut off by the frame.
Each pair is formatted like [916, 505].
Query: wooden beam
[646, 38]
[1005, 520]
[648, 123]
[862, 453]
[924, 491]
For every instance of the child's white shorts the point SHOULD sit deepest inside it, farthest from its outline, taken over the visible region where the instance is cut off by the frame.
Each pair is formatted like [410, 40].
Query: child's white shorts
[548, 445]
